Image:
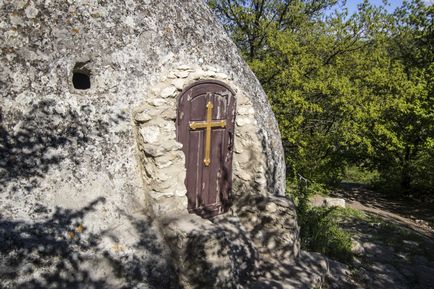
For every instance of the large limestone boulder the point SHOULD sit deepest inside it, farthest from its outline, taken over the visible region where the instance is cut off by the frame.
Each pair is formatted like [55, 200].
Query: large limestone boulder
[92, 190]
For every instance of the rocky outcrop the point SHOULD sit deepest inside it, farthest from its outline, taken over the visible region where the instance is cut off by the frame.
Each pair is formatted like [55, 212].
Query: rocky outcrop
[257, 248]
[90, 169]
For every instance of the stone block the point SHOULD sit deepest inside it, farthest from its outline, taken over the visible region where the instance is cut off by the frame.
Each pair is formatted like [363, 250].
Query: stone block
[169, 91]
[209, 255]
[241, 121]
[154, 151]
[179, 83]
[334, 202]
[150, 134]
[245, 110]
[143, 116]
[182, 74]
[183, 67]
[319, 201]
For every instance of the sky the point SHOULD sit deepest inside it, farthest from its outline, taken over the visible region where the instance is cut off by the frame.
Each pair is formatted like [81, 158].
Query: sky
[391, 6]
[352, 4]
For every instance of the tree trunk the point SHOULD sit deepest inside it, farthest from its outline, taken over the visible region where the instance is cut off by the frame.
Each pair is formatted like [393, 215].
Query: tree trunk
[405, 172]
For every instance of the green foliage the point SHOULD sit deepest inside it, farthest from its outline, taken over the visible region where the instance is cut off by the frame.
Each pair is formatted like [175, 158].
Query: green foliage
[320, 232]
[319, 227]
[343, 214]
[301, 190]
[359, 175]
[347, 90]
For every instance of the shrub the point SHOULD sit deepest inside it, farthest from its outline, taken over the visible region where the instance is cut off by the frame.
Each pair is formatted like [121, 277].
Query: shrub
[320, 232]
[319, 227]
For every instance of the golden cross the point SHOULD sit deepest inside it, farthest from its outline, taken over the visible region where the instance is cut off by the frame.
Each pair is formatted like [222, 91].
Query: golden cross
[208, 125]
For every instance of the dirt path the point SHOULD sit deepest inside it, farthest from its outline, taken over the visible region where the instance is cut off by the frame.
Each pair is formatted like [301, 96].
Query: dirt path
[415, 215]
[393, 245]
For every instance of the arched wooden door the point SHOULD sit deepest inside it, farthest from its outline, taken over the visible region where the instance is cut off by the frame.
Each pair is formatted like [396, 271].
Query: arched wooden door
[205, 127]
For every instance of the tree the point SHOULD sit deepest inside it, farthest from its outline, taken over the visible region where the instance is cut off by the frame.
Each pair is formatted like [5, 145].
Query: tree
[345, 89]
[250, 22]
[401, 136]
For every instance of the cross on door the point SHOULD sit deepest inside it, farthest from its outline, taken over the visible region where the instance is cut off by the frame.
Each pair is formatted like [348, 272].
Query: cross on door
[207, 145]
[208, 125]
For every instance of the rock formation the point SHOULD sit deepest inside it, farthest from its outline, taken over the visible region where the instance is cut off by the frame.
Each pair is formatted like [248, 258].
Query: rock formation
[91, 173]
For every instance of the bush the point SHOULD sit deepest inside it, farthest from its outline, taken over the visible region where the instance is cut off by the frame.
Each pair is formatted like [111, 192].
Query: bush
[319, 227]
[320, 232]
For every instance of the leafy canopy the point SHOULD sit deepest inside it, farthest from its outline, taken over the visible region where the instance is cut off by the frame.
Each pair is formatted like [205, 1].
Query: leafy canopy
[347, 90]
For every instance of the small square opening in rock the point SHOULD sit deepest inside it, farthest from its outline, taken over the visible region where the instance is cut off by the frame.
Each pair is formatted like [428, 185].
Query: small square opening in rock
[81, 76]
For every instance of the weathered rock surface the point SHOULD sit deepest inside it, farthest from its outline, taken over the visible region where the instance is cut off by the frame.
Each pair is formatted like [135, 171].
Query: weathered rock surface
[246, 250]
[89, 168]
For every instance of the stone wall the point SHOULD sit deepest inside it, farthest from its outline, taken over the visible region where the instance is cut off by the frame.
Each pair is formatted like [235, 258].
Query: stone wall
[161, 157]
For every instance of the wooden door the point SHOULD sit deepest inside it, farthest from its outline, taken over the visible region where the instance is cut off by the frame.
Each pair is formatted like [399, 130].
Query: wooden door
[205, 127]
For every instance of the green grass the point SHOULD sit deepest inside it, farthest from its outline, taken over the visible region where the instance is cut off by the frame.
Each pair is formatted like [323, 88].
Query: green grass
[342, 214]
[320, 232]
[320, 227]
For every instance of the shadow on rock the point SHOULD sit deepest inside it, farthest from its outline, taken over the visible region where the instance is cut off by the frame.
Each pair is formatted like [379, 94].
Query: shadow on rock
[255, 246]
[59, 252]
[43, 137]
